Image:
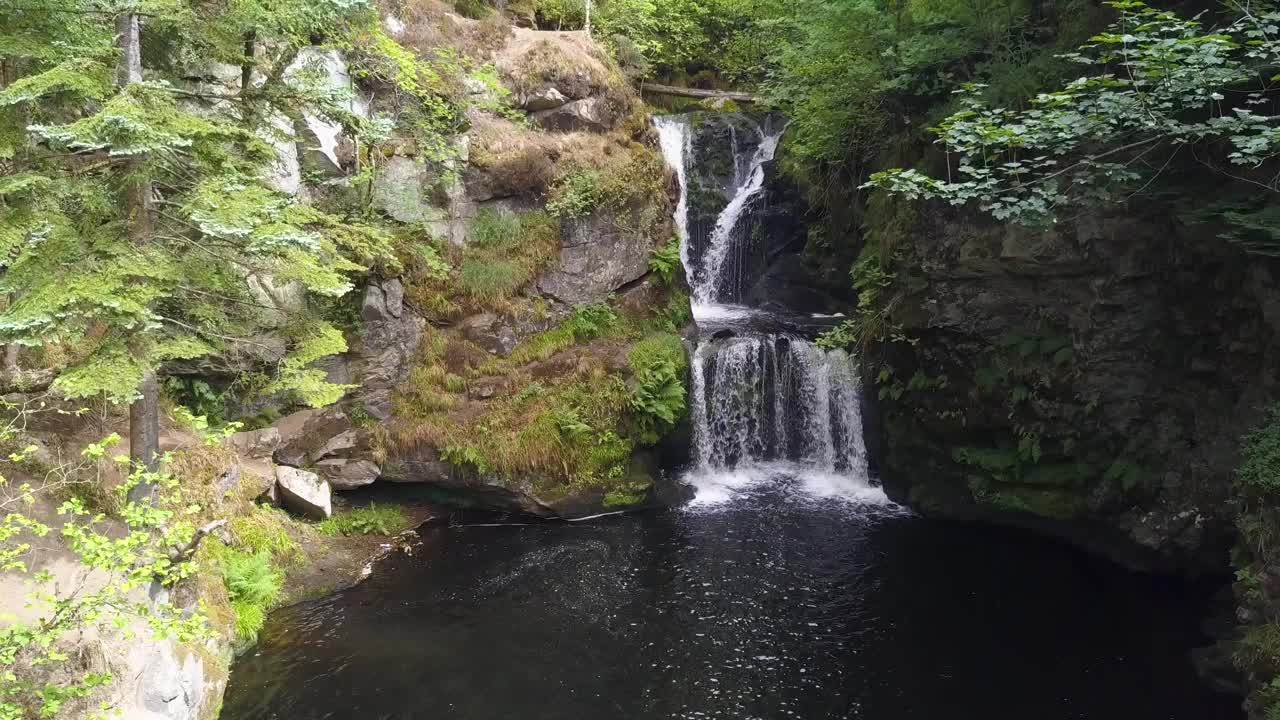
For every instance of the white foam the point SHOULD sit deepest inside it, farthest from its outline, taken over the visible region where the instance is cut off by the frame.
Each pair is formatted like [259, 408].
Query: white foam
[715, 487]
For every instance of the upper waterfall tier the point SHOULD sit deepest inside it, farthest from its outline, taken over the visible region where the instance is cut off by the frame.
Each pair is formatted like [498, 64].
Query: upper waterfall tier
[722, 177]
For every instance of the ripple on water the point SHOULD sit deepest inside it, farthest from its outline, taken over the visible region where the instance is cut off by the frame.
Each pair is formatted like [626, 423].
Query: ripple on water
[779, 594]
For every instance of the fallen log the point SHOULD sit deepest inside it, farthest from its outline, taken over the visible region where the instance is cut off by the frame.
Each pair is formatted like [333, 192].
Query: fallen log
[696, 93]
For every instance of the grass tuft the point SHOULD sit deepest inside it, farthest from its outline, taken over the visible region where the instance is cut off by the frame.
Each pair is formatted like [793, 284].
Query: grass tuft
[372, 519]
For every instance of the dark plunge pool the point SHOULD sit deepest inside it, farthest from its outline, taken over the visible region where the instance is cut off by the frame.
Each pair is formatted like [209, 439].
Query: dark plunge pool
[781, 595]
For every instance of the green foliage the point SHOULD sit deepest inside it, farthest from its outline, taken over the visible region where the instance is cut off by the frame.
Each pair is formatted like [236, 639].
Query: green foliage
[658, 348]
[657, 400]
[475, 9]
[142, 548]
[112, 291]
[1157, 82]
[576, 195]
[665, 260]
[625, 497]
[198, 397]
[1259, 468]
[504, 252]
[253, 585]
[371, 519]
[591, 320]
[675, 314]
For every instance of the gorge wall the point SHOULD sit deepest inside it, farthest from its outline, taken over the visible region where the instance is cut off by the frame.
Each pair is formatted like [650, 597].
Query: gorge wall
[1093, 380]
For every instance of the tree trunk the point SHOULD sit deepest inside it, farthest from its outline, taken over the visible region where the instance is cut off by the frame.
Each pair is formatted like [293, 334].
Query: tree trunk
[12, 370]
[144, 413]
[144, 432]
[696, 93]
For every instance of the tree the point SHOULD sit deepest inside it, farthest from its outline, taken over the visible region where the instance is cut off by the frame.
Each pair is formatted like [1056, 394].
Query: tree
[1157, 84]
[111, 290]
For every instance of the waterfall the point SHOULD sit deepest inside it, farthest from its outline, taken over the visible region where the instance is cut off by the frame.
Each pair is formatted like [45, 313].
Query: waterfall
[718, 276]
[758, 400]
[676, 142]
[723, 263]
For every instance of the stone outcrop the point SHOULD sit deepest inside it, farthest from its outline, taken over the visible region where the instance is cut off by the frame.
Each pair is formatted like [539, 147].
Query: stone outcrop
[257, 443]
[592, 114]
[1091, 380]
[391, 332]
[598, 254]
[348, 474]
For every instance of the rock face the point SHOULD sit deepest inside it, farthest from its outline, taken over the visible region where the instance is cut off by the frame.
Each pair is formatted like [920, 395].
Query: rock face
[1090, 381]
[344, 474]
[391, 335]
[597, 256]
[257, 443]
[304, 492]
[592, 114]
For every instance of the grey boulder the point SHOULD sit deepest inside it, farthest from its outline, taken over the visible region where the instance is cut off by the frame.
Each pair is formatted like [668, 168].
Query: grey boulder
[304, 492]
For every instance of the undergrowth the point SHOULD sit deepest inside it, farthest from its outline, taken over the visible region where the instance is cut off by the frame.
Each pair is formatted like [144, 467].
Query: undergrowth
[372, 519]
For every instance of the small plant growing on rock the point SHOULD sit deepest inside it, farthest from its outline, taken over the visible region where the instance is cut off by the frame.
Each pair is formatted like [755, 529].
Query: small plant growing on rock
[665, 259]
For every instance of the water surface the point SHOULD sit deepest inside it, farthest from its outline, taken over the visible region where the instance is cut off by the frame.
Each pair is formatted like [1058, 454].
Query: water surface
[778, 594]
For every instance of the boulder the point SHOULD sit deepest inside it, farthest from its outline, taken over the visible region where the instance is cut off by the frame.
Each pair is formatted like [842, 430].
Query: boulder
[490, 332]
[542, 99]
[227, 480]
[592, 114]
[390, 337]
[321, 435]
[400, 189]
[346, 474]
[304, 492]
[597, 256]
[256, 443]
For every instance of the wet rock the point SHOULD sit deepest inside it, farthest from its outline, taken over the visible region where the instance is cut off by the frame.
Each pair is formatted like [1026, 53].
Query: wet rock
[257, 443]
[417, 465]
[304, 492]
[345, 474]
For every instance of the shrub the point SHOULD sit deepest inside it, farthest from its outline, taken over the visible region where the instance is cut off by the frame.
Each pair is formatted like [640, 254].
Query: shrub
[665, 259]
[658, 348]
[592, 321]
[657, 400]
[490, 279]
[494, 229]
[253, 585]
[576, 195]
[474, 9]
[504, 251]
[372, 519]
[1260, 456]
[265, 529]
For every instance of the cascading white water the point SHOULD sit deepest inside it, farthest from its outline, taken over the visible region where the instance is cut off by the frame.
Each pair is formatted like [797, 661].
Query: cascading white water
[676, 142]
[728, 237]
[718, 274]
[759, 399]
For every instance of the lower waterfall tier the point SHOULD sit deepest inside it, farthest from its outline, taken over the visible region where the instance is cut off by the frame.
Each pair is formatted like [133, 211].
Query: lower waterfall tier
[776, 397]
